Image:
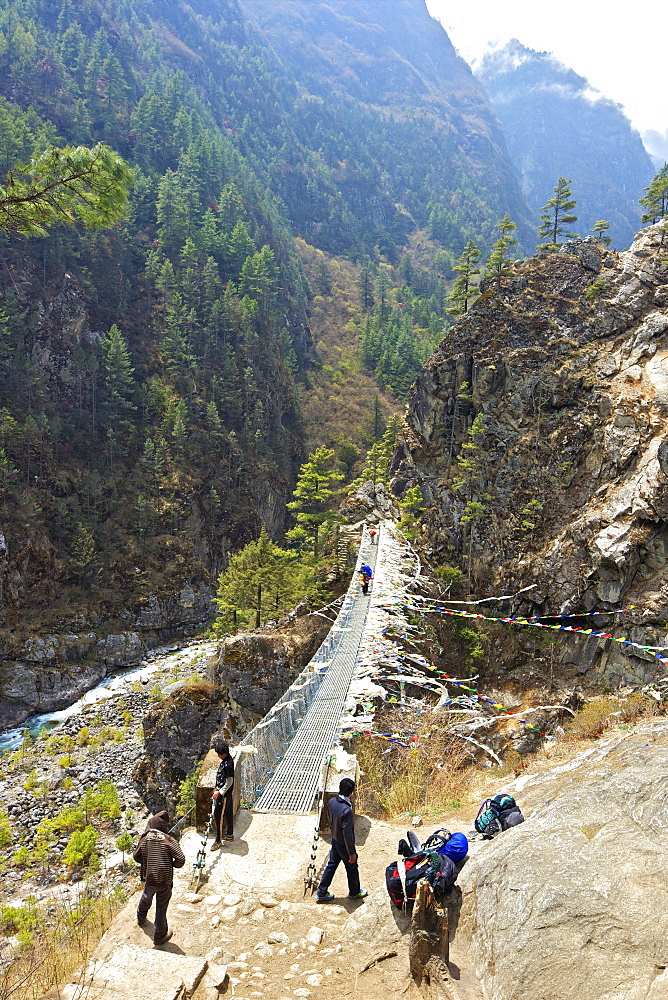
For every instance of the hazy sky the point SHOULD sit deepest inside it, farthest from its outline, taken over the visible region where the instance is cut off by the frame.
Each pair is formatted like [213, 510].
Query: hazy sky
[618, 50]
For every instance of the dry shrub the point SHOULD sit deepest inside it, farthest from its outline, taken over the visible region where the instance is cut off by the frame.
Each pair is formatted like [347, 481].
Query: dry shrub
[432, 773]
[637, 706]
[593, 719]
[600, 714]
[63, 942]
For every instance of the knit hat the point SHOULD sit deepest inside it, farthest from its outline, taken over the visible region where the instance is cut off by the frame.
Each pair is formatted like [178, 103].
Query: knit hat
[159, 822]
[220, 744]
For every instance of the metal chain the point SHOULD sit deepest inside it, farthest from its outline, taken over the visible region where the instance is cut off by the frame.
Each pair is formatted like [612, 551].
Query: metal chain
[311, 877]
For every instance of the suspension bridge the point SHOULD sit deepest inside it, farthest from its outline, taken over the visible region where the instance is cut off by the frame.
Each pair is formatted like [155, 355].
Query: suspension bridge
[283, 772]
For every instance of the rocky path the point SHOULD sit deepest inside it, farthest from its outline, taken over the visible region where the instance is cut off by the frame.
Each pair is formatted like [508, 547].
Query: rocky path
[250, 933]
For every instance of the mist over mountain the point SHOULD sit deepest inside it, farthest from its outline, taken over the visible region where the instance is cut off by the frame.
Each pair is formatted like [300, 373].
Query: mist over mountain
[556, 125]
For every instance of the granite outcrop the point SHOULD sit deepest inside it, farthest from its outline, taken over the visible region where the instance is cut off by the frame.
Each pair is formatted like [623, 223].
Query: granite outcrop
[571, 903]
[565, 370]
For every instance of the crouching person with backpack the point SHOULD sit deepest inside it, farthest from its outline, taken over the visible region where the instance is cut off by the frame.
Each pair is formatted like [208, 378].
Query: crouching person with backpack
[342, 827]
[158, 854]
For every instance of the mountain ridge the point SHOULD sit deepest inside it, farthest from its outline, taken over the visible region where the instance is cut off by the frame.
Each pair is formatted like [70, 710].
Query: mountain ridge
[557, 125]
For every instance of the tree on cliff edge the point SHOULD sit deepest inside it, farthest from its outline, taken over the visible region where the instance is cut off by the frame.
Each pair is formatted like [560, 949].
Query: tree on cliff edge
[464, 288]
[655, 199]
[557, 216]
[497, 265]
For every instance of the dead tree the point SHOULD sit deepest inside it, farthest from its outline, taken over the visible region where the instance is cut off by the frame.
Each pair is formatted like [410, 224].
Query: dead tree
[429, 945]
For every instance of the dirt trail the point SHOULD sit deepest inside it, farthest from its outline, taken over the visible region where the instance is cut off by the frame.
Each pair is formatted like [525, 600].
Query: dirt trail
[250, 915]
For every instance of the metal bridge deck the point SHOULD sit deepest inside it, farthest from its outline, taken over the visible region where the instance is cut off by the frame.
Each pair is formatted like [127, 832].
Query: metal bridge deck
[295, 782]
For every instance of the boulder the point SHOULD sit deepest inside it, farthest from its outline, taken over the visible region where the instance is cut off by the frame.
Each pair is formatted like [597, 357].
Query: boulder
[177, 734]
[572, 903]
[376, 923]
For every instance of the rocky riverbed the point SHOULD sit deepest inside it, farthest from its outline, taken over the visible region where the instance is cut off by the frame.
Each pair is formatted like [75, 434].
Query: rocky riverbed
[86, 762]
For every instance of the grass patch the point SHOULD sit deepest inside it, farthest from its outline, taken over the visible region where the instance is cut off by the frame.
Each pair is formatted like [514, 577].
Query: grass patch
[432, 774]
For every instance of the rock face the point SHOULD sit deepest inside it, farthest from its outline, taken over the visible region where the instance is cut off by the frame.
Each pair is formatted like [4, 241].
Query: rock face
[255, 668]
[371, 503]
[47, 672]
[571, 903]
[177, 734]
[568, 368]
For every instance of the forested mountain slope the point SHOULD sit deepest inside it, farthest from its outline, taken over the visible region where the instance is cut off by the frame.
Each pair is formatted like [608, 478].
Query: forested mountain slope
[149, 373]
[398, 116]
[556, 125]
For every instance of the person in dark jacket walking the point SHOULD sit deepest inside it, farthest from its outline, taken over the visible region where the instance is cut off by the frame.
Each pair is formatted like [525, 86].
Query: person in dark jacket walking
[223, 813]
[158, 854]
[365, 574]
[342, 827]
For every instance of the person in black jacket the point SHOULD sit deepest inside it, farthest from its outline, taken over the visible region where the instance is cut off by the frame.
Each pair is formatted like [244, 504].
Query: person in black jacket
[342, 827]
[223, 814]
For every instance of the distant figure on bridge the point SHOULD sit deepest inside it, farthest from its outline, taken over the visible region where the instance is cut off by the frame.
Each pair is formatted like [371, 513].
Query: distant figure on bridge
[158, 854]
[372, 535]
[342, 826]
[223, 813]
[365, 574]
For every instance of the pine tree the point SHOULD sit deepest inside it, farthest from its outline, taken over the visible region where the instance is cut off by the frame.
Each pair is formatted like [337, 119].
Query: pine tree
[655, 199]
[497, 265]
[378, 458]
[65, 185]
[557, 215]
[470, 465]
[118, 390]
[365, 285]
[259, 580]
[464, 287]
[313, 496]
[598, 229]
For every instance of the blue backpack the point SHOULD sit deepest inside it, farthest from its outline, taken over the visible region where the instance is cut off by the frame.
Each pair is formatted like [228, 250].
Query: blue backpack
[456, 848]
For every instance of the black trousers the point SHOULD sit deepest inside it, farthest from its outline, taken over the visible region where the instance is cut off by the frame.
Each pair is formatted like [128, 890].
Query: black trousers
[338, 854]
[224, 810]
[163, 894]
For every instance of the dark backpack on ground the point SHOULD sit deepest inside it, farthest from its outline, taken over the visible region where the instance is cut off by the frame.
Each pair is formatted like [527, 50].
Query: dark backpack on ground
[497, 814]
[452, 845]
[439, 871]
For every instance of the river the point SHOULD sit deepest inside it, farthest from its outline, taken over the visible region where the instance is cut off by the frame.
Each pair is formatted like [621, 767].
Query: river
[162, 659]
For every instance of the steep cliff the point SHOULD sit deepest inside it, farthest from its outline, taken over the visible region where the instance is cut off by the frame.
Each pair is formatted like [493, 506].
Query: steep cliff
[562, 376]
[557, 125]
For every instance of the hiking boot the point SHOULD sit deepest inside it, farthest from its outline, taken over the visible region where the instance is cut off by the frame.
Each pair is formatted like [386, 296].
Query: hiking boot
[141, 921]
[328, 898]
[362, 894]
[227, 836]
[163, 940]
[215, 845]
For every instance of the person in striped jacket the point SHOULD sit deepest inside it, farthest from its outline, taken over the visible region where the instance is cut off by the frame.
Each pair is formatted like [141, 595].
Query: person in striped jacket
[158, 854]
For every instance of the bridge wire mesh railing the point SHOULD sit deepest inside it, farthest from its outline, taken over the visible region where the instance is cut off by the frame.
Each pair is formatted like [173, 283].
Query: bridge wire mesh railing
[267, 743]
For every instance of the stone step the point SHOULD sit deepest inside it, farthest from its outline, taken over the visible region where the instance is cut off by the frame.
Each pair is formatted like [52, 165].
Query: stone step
[132, 973]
